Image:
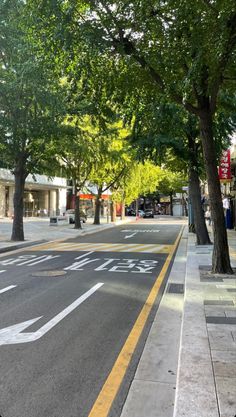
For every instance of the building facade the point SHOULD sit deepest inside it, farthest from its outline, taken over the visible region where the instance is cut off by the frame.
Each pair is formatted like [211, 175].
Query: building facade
[43, 196]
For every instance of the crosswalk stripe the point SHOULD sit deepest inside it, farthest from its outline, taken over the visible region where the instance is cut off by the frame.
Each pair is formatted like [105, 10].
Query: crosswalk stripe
[90, 246]
[136, 248]
[106, 247]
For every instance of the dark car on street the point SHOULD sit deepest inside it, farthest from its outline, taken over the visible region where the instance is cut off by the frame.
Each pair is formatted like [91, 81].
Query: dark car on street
[131, 212]
[148, 213]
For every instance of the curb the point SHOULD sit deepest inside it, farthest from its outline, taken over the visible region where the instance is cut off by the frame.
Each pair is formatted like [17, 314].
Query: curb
[196, 392]
[81, 232]
[22, 246]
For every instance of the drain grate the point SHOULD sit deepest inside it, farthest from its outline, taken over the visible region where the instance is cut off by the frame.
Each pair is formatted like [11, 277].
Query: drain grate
[49, 273]
[211, 280]
[218, 303]
[205, 252]
[175, 288]
[220, 320]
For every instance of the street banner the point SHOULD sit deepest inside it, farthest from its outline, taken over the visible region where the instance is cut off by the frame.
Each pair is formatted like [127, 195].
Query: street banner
[224, 167]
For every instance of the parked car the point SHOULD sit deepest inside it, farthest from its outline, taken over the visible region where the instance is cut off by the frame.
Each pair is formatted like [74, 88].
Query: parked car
[141, 213]
[148, 214]
[71, 214]
[131, 212]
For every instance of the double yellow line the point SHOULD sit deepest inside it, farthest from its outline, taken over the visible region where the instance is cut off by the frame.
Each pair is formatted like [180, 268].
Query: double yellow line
[108, 393]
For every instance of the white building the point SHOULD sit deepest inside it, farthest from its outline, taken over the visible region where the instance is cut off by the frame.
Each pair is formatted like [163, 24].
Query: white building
[43, 196]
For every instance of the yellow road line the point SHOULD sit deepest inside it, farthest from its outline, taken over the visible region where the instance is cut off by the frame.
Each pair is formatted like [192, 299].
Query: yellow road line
[108, 393]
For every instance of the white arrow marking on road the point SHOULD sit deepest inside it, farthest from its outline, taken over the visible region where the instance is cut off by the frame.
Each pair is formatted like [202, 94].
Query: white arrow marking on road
[12, 335]
[7, 288]
[127, 237]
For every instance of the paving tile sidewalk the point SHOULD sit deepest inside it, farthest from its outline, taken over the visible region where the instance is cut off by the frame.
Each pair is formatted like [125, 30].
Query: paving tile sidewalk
[39, 230]
[206, 385]
[201, 329]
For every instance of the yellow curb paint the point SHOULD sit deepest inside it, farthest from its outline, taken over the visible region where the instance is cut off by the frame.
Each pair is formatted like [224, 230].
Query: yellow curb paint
[108, 393]
[44, 246]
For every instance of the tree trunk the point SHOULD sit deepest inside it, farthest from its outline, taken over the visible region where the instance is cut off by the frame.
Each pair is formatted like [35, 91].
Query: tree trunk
[191, 225]
[77, 210]
[198, 213]
[113, 211]
[18, 202]
[122, 210]
[185, 207]
[144, 203]
[136, 208]
[171, 203]
[220, 257]
[97, 207]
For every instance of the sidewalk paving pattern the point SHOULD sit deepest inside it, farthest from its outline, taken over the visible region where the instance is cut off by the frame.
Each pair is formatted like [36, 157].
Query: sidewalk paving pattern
[188, 365]
[206, 383]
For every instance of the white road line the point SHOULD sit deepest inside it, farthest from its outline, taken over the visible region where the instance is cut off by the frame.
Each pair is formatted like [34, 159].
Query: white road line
[85, 254]
[129, 236]
[42, 259]
[7, 288]
[3, 270]
[13, 334]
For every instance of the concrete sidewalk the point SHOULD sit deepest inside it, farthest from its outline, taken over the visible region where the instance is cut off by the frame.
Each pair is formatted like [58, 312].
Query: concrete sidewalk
[188, 366]
[206, 384]
[37, 230]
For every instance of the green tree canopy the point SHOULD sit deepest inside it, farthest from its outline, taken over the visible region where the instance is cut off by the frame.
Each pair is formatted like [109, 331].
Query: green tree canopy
[31, 104]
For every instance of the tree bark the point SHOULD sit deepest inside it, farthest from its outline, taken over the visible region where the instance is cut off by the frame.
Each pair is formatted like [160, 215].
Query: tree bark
[220, 257]
[171, 203]
[77, 210]
[97, 207]
[113, 211]
[198, 214]
[18, 203]
[122, 210]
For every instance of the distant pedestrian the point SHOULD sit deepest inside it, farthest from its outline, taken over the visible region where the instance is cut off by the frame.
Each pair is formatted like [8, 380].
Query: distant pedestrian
[208, 216]
[225, 203]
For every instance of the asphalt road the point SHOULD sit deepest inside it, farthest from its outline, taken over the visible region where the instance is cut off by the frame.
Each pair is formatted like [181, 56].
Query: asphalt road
[78, 301]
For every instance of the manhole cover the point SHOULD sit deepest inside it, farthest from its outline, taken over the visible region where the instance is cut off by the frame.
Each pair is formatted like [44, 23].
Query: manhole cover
[48, 273]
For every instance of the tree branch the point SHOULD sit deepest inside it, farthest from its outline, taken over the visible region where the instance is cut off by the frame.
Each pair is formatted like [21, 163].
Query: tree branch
[210, 6]
[229, 48]
[130, 49]
[115, 180]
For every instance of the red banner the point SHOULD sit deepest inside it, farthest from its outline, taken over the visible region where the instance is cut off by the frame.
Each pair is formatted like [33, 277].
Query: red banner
[224, 168]
[92, 197]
